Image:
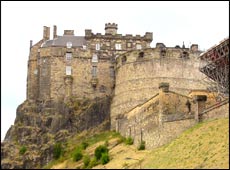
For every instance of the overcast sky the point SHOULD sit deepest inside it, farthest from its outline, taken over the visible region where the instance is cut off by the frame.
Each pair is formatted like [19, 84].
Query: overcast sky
[202, 23]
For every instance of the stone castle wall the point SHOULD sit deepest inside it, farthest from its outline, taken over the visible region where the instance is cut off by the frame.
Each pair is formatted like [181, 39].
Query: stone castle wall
[53, 83]
[137, 77]
[32, 74]
[159, 120]
[218, 110]
[47, 65]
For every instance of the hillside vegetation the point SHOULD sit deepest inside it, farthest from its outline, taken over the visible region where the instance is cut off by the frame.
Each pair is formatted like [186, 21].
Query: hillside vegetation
[206, 145]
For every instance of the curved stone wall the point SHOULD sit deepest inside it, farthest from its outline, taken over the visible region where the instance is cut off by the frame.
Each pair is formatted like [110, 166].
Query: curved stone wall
[138, 77]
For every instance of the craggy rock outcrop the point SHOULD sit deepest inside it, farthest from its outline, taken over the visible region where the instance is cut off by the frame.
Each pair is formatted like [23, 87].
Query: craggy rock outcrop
[38, 126]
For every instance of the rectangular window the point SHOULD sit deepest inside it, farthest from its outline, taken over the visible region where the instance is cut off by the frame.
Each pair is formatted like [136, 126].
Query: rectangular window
[112, 71]
[97, 46]
[68, 70]
[36, 71]
[138, 46]
[69, 44]
[68, 56]
[118, 46]
[94, 71]
[84, 47]
[129, 45]
[94, 58]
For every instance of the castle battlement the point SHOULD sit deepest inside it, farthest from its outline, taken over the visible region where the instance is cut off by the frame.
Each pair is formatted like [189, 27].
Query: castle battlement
[147, 37]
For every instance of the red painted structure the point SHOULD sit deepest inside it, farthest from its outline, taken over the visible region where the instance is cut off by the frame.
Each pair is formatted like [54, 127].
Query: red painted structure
[215, 65]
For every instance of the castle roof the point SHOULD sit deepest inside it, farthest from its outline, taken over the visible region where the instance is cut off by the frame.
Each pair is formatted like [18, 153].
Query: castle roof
[76, 41]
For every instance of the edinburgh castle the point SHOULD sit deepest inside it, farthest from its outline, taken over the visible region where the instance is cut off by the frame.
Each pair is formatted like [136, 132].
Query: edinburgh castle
[116, 81]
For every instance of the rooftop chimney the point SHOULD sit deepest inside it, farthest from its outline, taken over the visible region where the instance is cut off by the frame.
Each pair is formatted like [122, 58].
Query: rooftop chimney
[46, 33]
[55, 32]
[68, 32]
[194, 47]
[31, 43]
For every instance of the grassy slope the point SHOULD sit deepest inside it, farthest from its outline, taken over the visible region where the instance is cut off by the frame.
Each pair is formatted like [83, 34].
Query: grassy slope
[205, 145]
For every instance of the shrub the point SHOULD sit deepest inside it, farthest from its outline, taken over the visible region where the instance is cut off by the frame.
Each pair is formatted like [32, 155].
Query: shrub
[99, 150]
[77, 155]
[129, 141]
[58, 150]
[93, 163]
[84, 145]
[104, 158]
[142, 146]
[22, 150]
[86, 161]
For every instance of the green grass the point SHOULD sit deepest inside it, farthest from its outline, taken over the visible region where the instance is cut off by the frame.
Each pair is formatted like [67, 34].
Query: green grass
[206, 145]
[82, 142]
[22, 150]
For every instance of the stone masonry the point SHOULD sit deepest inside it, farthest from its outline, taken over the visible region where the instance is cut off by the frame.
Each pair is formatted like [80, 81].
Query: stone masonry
[125, 68]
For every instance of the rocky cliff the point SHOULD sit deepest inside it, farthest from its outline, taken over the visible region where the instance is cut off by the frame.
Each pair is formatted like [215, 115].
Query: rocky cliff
[39, 125]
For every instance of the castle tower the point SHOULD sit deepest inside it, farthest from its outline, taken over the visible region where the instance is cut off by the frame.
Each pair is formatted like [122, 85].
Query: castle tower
[111, 28]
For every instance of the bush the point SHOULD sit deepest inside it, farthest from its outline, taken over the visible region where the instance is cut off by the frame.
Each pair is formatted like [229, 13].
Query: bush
[22, 150]
[93, 163]
[58, 150]
[86, 160]
[104, 158]
[77, 155]
[129, 141]
[142, 146]
[84, 145]
[99, 150]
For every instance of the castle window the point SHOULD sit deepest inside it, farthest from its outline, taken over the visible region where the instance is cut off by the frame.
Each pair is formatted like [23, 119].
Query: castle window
[141, 55]
[94, 58]
[36, 71]
[118, 46]
[68, 56]
[112, 71]
[129, 45]
[69, 44]
[84, 47]
[184, 55]
[97, 46]
[124, 59]
[94, 71]
[138, 46]
[68, 70]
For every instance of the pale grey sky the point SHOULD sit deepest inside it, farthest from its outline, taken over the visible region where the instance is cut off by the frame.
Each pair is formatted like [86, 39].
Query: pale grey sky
[203, 23]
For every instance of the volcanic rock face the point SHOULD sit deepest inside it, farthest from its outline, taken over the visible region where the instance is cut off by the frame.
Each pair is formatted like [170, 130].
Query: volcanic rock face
[39, 125]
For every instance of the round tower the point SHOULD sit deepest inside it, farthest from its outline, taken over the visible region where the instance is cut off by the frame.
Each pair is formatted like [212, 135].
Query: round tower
[111, 28]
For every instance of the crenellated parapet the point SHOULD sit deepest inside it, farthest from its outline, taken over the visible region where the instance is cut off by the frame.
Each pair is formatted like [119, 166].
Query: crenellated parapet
[90, 35]
[160, 52]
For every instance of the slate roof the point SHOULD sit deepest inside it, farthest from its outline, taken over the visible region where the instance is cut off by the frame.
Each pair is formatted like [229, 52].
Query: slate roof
[77, 41]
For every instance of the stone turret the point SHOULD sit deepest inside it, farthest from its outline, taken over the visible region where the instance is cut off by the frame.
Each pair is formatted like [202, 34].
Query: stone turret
[111, 28]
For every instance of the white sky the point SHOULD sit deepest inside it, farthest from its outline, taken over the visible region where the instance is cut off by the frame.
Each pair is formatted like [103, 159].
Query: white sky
[202, 23]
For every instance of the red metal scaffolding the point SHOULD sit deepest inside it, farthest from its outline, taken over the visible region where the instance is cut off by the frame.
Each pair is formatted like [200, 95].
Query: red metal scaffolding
[215, 65]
